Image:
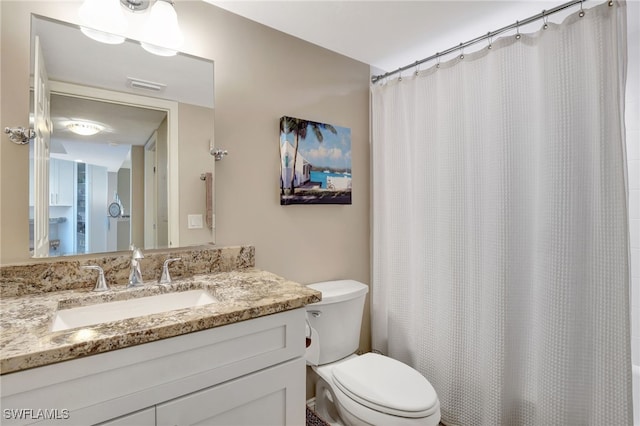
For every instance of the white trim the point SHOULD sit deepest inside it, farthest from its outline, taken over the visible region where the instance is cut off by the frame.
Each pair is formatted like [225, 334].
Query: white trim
[150, 193]
[171, 107]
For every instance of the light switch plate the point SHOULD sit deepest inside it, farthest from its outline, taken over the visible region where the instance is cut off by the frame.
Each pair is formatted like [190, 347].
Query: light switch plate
[194, 221]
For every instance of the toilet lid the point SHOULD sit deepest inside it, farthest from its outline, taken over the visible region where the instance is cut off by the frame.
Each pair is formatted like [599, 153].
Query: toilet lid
[386, 385]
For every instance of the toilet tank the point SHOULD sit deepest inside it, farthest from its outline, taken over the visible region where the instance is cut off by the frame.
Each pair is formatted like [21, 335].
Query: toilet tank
[337, 318]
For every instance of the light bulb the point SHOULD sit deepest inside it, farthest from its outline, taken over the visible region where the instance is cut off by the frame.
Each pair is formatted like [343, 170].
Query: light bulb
[103, 21]
[161, 34]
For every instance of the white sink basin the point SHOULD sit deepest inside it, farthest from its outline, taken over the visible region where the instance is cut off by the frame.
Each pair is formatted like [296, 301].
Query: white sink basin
[114, 311]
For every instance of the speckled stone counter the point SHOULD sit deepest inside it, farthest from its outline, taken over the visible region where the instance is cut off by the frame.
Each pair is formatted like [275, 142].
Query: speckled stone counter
[26, 339]
[64, 273]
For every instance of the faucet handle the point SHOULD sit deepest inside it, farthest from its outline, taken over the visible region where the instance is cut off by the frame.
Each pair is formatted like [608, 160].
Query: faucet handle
[136, 252]
[165, 278]
[101, 283]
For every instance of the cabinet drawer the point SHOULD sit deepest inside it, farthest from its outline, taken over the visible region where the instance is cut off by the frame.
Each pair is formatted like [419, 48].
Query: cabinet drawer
[270, 397]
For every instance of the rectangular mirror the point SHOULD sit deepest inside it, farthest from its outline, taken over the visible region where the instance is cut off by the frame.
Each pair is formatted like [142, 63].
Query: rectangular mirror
[101, 192]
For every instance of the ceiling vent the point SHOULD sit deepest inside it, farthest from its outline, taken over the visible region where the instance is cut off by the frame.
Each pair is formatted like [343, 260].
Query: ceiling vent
[137, 83]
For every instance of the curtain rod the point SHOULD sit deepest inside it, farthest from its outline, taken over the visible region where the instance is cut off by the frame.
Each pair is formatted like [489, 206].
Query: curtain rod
[544, 14]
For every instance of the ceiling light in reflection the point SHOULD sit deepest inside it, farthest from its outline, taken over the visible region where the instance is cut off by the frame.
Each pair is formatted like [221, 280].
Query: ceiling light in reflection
[84, 128]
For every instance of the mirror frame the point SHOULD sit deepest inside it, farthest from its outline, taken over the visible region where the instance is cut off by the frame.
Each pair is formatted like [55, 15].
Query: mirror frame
[171, 108]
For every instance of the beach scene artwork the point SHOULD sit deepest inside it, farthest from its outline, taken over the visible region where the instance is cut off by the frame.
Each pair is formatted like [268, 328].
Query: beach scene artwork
[315, 162]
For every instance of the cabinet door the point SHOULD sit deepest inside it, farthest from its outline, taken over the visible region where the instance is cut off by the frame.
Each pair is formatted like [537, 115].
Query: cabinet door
[274, 396]
[66, 187]
[139, 418]
[61, 182]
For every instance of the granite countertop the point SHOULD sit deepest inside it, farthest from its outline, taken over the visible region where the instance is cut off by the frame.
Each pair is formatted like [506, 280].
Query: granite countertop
[26, 339]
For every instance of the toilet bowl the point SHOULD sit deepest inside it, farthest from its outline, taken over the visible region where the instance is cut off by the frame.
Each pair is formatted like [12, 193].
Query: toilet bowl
[370, 389]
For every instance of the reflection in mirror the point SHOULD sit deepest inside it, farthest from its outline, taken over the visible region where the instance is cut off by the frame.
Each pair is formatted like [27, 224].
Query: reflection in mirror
[93, 179]
[118, 186]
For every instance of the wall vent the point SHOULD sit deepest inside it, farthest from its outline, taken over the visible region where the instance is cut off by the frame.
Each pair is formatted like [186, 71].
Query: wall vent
[137, 83]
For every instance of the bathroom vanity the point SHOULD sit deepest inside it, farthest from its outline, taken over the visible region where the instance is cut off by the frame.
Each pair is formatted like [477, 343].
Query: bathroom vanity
[236, 360]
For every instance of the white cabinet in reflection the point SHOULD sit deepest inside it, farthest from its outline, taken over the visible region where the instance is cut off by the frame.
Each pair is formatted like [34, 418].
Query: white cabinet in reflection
[62, 176]
[61, 179]
[78, 219]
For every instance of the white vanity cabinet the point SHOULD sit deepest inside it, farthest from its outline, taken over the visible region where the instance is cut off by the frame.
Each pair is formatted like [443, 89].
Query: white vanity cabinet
[246, 373]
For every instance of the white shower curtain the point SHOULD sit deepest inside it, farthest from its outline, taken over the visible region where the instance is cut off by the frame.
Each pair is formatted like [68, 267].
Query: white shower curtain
[500, 235]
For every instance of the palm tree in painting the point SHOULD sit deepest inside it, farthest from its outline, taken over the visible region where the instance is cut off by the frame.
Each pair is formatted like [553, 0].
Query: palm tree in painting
[295, 126]
[299, 129]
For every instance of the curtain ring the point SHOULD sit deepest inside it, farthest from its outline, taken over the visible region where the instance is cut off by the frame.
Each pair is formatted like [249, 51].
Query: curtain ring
[400, 74]
[437, 59]
[417, 69]
[610, 3]
[581, 14]
[518, 30]
[545, 19]
[490, 38]
[461, 52]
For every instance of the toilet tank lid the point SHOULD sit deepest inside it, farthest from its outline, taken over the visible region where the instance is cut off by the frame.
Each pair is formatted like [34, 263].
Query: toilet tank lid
[337, 291]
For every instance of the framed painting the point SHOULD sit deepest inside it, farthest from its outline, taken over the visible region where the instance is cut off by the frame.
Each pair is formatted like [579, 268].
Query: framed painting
[315, 162]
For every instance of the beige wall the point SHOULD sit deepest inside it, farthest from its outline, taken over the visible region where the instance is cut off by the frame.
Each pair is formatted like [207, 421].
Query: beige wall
[260, 75]
[194, 161]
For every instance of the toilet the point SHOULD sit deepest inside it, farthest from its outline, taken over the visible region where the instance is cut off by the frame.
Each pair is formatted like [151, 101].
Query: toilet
[369, 389]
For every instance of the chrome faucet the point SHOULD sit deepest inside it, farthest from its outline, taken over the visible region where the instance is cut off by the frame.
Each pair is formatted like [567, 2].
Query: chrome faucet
[135, 274]
[101, 283]
[165, 278]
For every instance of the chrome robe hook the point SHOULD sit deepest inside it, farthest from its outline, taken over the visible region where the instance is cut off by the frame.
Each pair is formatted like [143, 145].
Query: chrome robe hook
[218, 154]
[20, 135]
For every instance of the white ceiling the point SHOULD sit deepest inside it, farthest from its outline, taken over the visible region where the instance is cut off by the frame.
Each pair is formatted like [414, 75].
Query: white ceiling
[125, 126]
[388, 34]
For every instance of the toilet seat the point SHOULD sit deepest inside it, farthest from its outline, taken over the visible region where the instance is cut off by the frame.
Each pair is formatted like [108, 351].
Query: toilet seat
[385, 385]
[355, 413]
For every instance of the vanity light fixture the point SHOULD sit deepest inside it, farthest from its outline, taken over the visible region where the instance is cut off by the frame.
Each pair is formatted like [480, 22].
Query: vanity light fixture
[135, 5]
[104, 21]
[84, 128]
[162, 35]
